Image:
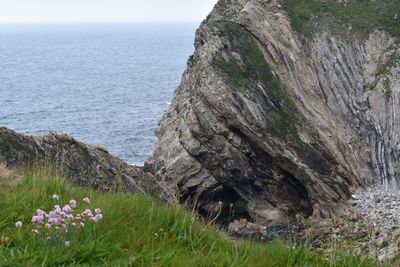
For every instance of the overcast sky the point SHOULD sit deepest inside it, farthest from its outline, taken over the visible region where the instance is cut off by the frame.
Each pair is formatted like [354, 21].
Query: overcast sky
[104, 10]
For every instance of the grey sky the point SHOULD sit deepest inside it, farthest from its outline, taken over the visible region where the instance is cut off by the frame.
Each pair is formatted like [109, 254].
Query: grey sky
[103, 10]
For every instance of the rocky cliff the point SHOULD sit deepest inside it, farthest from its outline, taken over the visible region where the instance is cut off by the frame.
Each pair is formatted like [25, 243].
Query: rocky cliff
[282, 113]
[285, 108]
[84, 164]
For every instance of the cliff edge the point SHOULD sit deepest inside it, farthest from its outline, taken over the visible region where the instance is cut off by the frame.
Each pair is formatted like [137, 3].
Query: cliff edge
[282, 113]
[83, 164]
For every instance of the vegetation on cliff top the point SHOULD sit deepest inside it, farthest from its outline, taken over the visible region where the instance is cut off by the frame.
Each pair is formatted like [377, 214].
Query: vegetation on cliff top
[135, 231]
[360, 16]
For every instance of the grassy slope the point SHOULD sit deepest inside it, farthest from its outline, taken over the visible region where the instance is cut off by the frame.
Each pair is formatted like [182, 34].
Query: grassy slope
[135, 229]
[362, 15]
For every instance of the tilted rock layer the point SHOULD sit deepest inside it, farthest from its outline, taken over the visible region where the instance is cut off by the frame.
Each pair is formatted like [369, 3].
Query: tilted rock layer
[268, 123]
[83, 164]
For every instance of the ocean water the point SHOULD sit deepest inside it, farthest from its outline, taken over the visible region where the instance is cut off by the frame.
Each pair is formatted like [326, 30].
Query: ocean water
[105, 84]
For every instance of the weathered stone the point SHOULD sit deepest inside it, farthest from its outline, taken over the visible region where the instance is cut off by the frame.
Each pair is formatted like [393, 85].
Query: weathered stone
[265, 115]
[360, 234]
[83, 164]
[267, 124]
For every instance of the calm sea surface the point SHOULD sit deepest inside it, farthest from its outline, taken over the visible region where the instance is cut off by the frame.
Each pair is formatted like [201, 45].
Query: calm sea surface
[105, 84]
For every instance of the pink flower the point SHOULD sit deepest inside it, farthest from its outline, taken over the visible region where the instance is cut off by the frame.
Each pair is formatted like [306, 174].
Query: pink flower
[53, 214]
[56, 197]
[67, 209]
[47, 226]
[40, 212]
[87, 213]
[67, 243]
[73, 203]
[96, 218]
[55, 220]
[86, 200]
[37, 219]
[97, 211]
[57, 208]
[18, 224]
[99, 216]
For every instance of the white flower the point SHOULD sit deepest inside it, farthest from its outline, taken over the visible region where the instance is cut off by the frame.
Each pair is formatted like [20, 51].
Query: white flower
[56, 197]
[18, 224]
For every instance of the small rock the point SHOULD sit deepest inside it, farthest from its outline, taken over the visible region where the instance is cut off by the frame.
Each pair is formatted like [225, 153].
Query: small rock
[361, 234]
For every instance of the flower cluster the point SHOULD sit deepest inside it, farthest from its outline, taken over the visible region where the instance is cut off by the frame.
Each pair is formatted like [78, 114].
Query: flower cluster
[63, 218]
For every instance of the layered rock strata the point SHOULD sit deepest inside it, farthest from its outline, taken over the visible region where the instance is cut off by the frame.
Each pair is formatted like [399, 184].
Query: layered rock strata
[83, 164]
[268, 123]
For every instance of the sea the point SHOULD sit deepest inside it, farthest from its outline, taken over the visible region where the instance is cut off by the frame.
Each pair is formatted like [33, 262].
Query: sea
[104, 84]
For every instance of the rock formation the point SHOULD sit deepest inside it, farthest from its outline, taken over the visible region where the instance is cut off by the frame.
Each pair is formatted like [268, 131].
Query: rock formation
[84, 164]
[271, 119]
[269, 122]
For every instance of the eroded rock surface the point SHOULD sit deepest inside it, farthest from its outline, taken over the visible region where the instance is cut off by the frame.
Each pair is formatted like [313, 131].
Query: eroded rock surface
[84, 164]
[273, 124]
[267, 123]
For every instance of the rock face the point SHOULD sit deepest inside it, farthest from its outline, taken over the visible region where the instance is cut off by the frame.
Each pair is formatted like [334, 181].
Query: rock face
[83, 164]
[267, 123]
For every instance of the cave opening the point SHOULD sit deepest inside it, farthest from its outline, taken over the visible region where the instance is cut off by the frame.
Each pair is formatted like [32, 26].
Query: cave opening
[221, 205]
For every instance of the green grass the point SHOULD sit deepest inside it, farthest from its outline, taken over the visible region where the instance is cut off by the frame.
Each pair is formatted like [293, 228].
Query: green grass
[236, 75]
[135, 231]
[283, 126]
[385, 68]
[362, 15]
[383, 73]
[239, 75]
